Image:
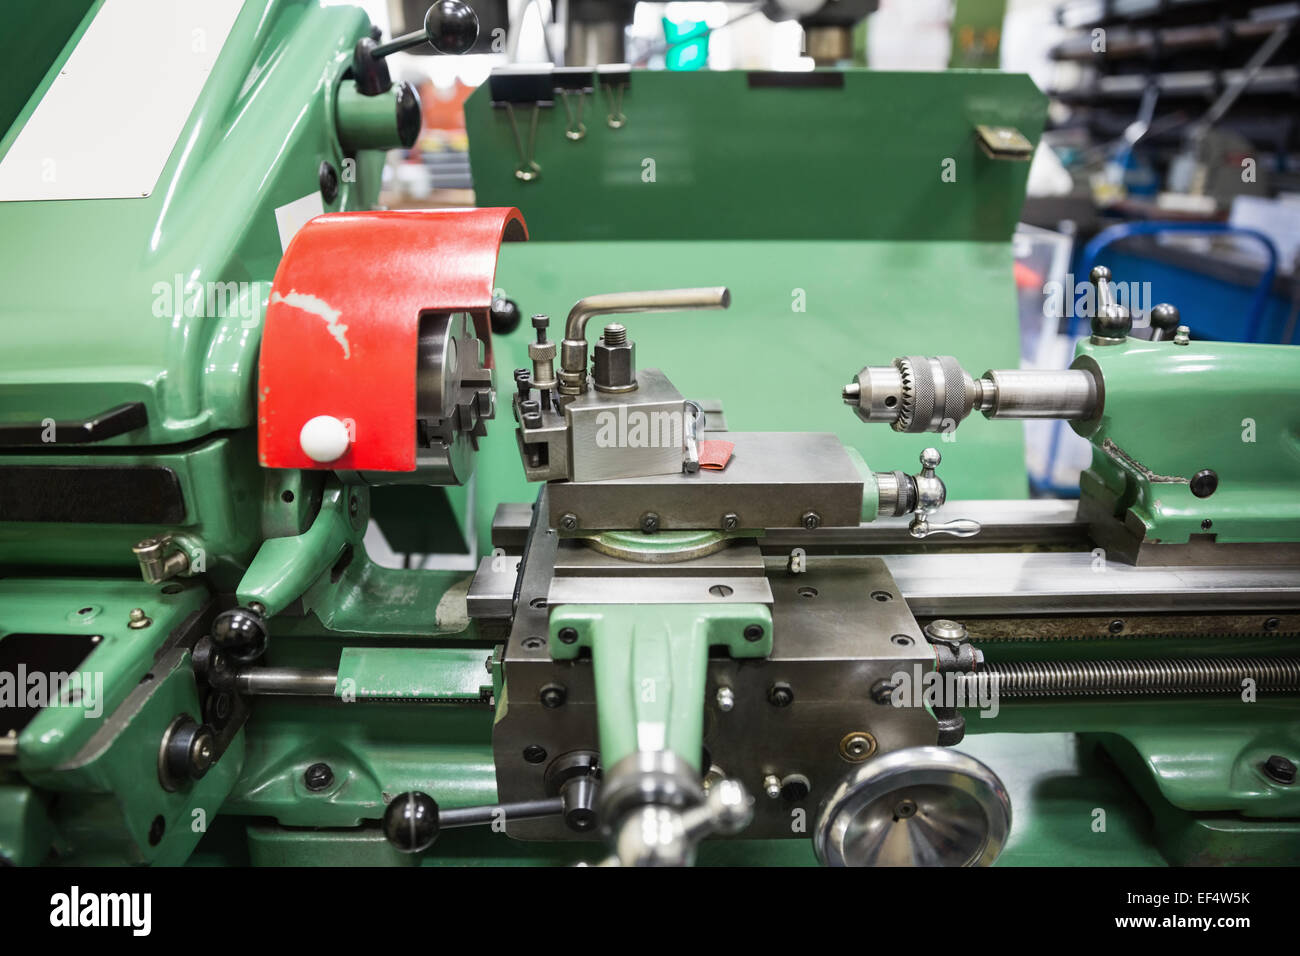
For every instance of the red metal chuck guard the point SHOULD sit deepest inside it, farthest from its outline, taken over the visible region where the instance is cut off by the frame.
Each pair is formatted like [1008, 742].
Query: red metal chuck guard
[342, 323]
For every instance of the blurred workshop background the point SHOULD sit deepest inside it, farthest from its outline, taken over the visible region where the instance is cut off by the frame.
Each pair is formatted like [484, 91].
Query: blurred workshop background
[1171, 143]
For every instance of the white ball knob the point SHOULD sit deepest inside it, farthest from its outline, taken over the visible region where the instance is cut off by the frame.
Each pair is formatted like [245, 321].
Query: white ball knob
[324, 438]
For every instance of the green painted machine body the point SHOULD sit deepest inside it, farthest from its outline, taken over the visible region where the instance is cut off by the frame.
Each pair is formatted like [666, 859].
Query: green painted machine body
[450, 675]
[131, 291]
[650, 663]
[863, 220]
[160, 300]
[99, 754]
[1171, 412]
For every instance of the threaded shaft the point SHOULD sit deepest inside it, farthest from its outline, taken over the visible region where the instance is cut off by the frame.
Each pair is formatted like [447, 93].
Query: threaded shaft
[1199, 675]
[615, 334]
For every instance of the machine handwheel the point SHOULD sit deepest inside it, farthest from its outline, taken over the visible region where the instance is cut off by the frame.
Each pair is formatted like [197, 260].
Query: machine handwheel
[920, 806]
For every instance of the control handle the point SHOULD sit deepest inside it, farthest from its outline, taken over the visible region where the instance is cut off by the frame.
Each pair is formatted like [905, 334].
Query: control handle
[450, 26]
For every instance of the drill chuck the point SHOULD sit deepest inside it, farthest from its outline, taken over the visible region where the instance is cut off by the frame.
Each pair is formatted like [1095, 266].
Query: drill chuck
[919, 394]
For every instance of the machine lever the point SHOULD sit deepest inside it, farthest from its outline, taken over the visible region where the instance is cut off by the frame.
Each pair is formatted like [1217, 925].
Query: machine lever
[573, 349]
[654, 835]
[450, 26]
[413, 820]
[118, 420]
[960, 527]
[920, 495]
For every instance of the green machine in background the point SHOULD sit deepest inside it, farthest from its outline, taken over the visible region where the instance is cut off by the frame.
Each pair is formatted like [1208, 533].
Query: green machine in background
[686, 607]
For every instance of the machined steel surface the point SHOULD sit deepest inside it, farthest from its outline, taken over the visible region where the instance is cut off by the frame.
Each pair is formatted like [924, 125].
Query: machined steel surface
[579, 557]
[1067, 393]
[953, 584]
[492, 591]
[627, 433]
[613, 362]
[683, 589]
[454, 398]
[583, 574]
[1063, 576]
[287, 681]
[603, 434]
[1048, 626]
[774, 479]
[510, 524]
[1041, 523]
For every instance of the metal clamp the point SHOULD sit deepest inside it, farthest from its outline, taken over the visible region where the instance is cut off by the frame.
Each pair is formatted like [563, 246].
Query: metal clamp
[160, 558]
[615, 78]
[576, 82]
[953, 653]
[511, 87]
[695, 422]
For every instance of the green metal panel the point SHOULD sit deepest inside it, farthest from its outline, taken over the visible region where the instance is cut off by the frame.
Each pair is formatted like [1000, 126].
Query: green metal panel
[272, 846]
[225, 515]
[376, 749]
[286, 567]
[444, 674]
[111, 808]
[123, 655]
[865, 161]
[26, 832]
[650, 661]
[1057, 782]
[102, 323]
[1203, 839]
[1201, 755]
[1176, 410]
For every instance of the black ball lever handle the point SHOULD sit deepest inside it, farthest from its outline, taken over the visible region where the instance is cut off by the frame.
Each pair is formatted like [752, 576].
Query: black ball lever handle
[450, 26]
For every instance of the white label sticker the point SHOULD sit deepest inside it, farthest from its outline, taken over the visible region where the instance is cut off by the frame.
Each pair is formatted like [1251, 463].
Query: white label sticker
[292, 216]
[112, 116]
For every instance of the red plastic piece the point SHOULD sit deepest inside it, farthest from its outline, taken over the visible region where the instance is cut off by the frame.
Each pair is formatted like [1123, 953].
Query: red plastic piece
[715, 453]
[1026, 277]
[342, 324]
